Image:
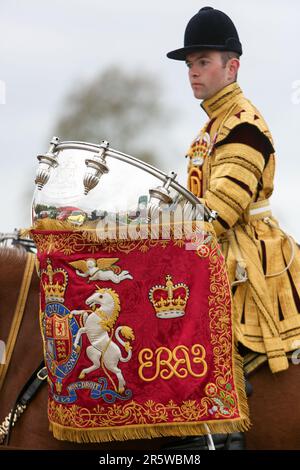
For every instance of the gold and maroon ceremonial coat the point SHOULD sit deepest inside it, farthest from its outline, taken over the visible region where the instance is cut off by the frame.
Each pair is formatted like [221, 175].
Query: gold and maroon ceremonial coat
[231, 168]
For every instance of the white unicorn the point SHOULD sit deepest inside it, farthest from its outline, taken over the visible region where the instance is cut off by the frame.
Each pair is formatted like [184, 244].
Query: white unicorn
[103, 351]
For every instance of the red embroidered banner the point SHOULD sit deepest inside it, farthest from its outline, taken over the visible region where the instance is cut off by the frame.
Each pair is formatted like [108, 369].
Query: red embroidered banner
[138, 338]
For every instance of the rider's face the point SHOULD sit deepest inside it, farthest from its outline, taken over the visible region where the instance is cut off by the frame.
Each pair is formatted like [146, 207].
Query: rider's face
[207, 73]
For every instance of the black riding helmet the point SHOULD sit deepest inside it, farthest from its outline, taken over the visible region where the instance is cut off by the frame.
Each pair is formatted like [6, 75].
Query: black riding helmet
[208, 29]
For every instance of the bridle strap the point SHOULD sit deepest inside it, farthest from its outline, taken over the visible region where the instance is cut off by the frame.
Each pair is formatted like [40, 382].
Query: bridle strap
[27, 393]
[18, 315]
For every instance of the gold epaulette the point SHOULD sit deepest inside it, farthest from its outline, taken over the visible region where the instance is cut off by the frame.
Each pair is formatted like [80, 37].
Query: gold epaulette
[244, 112]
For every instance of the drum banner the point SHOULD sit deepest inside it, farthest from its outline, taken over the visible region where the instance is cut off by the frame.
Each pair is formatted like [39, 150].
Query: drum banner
[137, 338]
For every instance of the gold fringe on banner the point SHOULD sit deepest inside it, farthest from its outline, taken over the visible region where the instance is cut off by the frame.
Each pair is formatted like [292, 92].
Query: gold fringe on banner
[155, 231]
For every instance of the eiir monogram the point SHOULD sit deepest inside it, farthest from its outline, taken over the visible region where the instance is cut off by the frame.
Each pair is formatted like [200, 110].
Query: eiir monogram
[167, 363]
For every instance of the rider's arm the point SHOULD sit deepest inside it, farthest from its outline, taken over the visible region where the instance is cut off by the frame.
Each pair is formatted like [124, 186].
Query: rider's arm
[236, 171]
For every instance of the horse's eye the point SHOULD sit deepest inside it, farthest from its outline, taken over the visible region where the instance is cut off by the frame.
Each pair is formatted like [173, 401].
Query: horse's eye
[101, 296]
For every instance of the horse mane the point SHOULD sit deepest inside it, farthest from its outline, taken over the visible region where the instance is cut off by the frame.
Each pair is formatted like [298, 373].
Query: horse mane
[107, 323]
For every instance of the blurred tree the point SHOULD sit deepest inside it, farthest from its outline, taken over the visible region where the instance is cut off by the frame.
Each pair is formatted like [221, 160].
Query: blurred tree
[123, 108]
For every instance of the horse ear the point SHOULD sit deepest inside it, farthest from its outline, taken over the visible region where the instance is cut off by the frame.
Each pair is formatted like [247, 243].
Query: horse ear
[97, 287]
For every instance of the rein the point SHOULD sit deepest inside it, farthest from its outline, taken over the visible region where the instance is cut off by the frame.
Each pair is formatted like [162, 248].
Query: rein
[27, 393]
[16, 240]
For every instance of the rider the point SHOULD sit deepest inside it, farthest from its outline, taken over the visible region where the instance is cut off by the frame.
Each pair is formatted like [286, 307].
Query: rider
[231, 170]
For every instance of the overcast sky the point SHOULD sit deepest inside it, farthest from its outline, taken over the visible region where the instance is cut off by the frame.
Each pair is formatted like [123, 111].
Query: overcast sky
[48, 46]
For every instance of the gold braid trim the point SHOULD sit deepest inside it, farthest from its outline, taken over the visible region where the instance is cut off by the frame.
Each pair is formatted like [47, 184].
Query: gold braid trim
[229, 214]
[242, 154]
[228, 197]
[244, 112]
[262, 304]
[237, 161]
[235, 205]
[248, 114]
[217, 103]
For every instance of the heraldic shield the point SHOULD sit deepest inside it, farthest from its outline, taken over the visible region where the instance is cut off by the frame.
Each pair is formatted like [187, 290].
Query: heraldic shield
[136, 312]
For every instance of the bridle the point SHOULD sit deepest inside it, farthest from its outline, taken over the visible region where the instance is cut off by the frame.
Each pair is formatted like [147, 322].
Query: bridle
[25, 396]
[15, 239]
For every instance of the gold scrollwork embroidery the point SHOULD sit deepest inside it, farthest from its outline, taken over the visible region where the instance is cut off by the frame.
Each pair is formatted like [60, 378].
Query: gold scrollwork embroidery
[168, 363]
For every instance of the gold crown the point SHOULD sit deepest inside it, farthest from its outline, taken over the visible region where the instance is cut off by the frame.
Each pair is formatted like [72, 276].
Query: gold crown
[54, 283]
[169, 301]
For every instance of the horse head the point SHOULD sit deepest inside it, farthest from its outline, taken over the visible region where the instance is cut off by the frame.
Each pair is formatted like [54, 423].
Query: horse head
[108, 300]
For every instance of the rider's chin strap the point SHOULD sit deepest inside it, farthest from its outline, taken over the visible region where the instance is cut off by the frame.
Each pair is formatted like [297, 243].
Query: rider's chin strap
[25, 396]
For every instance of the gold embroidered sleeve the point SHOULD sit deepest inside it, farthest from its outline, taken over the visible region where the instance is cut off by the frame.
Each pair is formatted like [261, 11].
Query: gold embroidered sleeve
[235, 172]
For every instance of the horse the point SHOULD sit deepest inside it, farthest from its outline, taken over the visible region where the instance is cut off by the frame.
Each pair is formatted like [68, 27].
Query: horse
[274, 404]
[274, 409]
